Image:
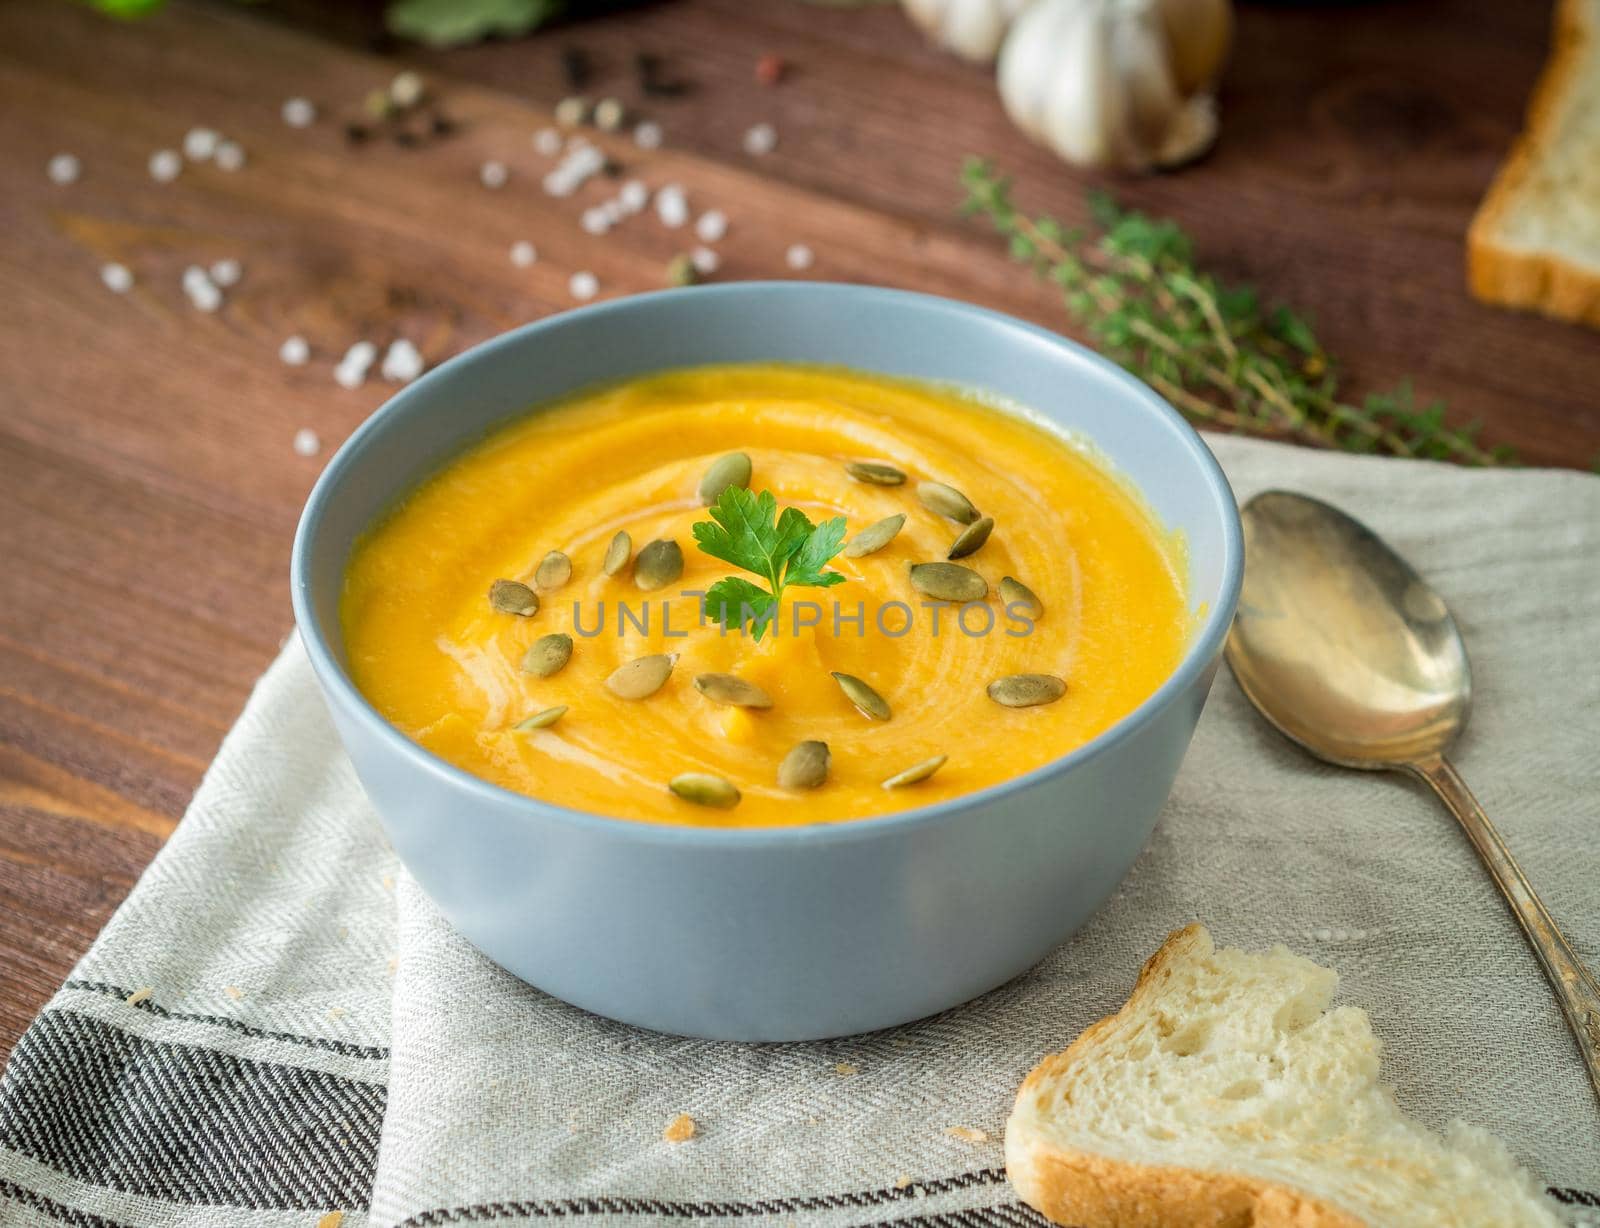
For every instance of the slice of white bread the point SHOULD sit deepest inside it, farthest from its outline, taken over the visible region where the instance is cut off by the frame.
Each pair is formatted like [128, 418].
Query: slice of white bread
[1535, 242]
[1225, 1094]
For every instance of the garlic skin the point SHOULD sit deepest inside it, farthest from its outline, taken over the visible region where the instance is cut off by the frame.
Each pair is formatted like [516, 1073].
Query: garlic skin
[970, 28]
[1123, 84]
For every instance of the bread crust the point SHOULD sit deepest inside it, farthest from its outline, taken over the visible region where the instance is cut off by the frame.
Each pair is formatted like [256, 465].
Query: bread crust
[1084, 1190]
[1532, 280]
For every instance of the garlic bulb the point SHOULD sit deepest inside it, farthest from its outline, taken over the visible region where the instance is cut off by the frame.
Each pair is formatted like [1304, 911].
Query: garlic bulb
[970, 28]
[1117, 83]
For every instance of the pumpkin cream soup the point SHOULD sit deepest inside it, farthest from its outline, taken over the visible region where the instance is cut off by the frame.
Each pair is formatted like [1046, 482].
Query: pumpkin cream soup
[763, 595]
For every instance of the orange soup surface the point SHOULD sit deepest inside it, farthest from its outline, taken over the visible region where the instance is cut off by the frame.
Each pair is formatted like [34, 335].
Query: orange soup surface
[438, 659]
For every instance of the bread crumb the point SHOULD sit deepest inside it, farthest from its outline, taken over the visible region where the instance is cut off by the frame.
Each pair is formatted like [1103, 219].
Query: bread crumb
[388, 882]
[902, 1182]
[846, 1069]
[331, 1220]
[233, 991]
[394, 962]
[967, 1134]
[336, 1012]
[139, 995]
[680, 1129]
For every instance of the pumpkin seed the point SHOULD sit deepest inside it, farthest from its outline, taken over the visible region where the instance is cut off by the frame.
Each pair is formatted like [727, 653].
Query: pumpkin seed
[863, 696]
[513, 597]
[618, 553]
[642, 677]
[946, 501]
[658, 564]
[1027, 690]
[548, 654]
[948, 582]
[875, 473]
[1016, 593]
[730, 689]
[730, 470]
[704, 789]
[916, 773]
[555, 569]
[541, 720]
[804, 767]
[971, 539]
[874, 537]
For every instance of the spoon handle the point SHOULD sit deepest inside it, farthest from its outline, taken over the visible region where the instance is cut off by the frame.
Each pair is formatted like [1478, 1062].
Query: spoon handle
[1575, 986]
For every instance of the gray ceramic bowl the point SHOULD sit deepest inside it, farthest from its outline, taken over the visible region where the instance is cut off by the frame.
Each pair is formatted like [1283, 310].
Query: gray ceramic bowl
[792, 933]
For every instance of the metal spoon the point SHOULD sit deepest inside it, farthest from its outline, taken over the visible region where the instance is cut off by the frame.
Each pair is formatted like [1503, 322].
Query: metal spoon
[1348, 652]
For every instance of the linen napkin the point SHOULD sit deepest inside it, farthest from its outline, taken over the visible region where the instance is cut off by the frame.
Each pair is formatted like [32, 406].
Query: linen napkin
[277, 1028]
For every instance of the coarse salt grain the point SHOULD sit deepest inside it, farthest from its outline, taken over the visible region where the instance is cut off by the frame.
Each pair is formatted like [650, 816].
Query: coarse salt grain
[634, 196]
[64, 168]
[493, 174]
[613, 210]
[547, 141]
[705, 260]
[761, 139]
[202, 291]
[230, 156]
[523, 253]
[226, 272]
[672, 206]
[299, 113]
[799, 257]
[609, 114]
[200, 144]
[711, 225]
[351, 372]
[648, 135]
[306, 442]
[403, 362]
[570, 112]
[407, 89]
[583, 286]
[165, 164]
[118, 278]
[295, 351]
[594, 221]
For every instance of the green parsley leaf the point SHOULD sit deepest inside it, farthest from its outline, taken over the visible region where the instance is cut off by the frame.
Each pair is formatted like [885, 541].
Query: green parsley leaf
[746, 530]
[734, 601]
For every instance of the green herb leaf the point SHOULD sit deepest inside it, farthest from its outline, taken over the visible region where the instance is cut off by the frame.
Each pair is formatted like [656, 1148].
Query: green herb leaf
[452, 23]
[734, 601]
[746, 530]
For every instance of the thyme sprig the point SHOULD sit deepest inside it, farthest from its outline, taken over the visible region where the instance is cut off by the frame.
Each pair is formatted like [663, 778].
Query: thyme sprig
[1211, 349]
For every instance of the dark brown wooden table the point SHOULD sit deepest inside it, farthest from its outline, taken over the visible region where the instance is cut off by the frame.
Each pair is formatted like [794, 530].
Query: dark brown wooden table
[148, 486]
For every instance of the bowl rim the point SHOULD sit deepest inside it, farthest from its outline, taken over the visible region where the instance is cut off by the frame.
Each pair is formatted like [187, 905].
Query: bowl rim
[1204, 645]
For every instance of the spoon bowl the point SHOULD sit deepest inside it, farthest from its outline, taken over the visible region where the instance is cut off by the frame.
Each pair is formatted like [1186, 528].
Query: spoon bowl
[1339, 643]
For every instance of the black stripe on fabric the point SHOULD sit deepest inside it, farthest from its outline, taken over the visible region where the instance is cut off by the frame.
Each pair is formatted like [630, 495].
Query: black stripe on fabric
[187, 1124]
[1013, 1214]
[342, 1047]
[56, 1210]
[560, 1208]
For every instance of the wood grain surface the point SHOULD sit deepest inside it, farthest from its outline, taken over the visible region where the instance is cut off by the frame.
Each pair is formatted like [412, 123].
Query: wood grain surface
[148, 483]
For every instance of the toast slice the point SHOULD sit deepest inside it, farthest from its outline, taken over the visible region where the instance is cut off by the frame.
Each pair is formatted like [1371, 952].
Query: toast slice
[1535, 242]
[1225, 1094]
